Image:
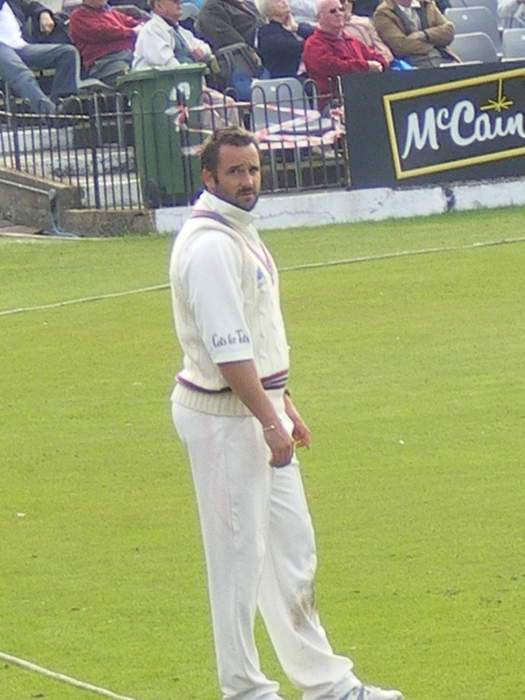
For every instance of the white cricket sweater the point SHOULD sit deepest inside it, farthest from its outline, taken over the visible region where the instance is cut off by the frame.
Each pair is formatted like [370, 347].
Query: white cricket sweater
[225, 298]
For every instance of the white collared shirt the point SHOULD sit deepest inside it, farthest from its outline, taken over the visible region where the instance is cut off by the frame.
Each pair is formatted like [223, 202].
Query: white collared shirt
[10, 32]
[411, 13]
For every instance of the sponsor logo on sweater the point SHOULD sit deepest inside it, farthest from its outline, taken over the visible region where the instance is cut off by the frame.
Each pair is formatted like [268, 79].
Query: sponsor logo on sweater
[237, 337]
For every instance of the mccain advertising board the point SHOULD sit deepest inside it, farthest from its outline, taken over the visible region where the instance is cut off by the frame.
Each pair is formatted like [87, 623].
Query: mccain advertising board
[438, 125]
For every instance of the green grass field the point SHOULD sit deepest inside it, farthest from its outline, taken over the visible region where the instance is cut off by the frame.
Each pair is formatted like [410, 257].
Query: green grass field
[409, 371]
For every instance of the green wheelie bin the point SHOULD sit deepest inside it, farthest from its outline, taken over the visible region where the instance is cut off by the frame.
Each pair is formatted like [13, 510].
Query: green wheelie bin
[167, 162]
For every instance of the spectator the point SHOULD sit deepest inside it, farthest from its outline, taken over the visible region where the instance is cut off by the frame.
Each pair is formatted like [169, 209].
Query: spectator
[163, 42]
[329, 52]
[105, 38]
[226, 22]
[281, 41]
[416, 31]
[363, 28]
[18, 56]
[512, 13]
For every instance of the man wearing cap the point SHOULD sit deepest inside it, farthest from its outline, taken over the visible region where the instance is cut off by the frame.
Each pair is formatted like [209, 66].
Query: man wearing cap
[164, 43]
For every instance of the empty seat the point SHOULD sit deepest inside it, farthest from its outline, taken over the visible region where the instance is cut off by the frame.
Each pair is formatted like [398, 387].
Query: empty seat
[285, 94]
[513, 44]
[189, 11]
[475, 47]
[491, 5]
[475, 19]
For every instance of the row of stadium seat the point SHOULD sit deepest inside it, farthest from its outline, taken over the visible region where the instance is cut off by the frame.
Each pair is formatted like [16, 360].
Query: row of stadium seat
[478, 36]
[478, 47]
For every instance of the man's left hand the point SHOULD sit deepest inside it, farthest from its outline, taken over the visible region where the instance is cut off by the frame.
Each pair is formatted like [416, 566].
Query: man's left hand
[300, 433]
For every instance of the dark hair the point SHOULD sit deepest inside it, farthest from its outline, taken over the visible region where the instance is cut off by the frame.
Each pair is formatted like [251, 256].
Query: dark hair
[229, 136]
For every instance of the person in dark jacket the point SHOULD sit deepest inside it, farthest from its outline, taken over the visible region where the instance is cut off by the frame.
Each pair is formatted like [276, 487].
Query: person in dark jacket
[18, 56]
[281, 41]
[226, 22]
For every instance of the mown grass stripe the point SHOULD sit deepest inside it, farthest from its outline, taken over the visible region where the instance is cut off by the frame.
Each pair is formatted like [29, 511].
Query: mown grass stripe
[288, 268]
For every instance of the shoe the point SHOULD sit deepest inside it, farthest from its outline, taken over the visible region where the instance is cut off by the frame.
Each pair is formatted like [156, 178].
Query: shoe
[68, 112]
[371, 692]
[69, 105]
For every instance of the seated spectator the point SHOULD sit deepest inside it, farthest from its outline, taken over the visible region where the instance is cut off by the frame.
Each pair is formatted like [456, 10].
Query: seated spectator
[226, 22]
[105, 39]
[416, 31]
[280, 44]
[329, 52]
[363, 28]
[512, 13]
[18, 56]
[163, 42]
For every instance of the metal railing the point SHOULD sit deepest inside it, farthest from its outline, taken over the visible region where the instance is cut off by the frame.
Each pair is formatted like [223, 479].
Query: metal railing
[118, 152]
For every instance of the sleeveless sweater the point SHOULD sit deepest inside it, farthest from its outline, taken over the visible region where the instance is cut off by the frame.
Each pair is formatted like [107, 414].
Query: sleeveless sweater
[200, 384]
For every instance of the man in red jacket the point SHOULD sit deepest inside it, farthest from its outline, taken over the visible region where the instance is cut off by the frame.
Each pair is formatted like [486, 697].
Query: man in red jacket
[104, 38]
[330, 52]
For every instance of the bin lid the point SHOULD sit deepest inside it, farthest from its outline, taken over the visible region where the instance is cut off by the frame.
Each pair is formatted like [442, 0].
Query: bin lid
[137, 76]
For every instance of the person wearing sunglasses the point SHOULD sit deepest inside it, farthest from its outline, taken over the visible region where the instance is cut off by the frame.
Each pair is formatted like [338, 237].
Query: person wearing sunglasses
[330, 52]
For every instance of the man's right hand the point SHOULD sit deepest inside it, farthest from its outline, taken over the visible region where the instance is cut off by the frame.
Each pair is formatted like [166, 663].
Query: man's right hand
[46, 22]
[280, 444]
[242, 378]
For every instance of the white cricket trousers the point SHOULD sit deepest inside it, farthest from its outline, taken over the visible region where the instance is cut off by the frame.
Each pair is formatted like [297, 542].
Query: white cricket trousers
[260, 553]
